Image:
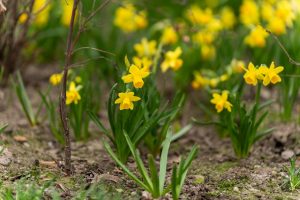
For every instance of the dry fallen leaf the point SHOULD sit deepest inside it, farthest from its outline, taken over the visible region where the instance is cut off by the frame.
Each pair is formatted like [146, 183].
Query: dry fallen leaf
[50, 164]
[20, 138]
[2, 7]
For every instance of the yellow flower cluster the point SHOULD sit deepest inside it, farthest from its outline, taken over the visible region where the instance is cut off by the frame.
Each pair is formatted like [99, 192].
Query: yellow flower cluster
[221, 101]
[209, 27]
[129, 20]
[276, 16]
[201, 81]
[169, 35]
[172, 60]
[267, 75]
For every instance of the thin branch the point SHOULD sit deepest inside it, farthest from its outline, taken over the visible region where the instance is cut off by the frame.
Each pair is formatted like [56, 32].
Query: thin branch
[63, 111]
[80, 64]
[291, 60]
[94, 49]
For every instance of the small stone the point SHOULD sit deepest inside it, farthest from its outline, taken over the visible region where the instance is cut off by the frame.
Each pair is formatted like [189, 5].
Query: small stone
[199, 179]
[133, 193]
[5, 157]
[287, 154]
[146, 195]
[257, 166]
[236, 189]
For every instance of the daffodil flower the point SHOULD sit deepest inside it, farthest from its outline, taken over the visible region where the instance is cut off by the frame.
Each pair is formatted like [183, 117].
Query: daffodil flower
[126, 100]
[145, 48]
[271, 74]
[136, 76]
[55, 79]
[252, 74]
[221, 101]
[172, 60]
[143, 62]
[72, 94]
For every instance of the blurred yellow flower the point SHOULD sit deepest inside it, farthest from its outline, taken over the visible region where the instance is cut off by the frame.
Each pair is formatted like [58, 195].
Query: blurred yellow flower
[213, 82]
[277, 26]
[129, 20]
[23, 18]
[78, 79]
[72, 94]
[221, 101]
[284, 11]
[199, 81]
[145, 48]
[136, 76]
[215, 25]
[227, 17]
[271, 74]
[208, 52]
[143, 62]
[67, 7]
[55, 79]
[249, 13]
[252, 74]
[198, 16]
[257, 37]
[224, 77]
[169, 35]
[126, 100]
[172, 60]
[237, 66]
[204, 37]
[41, 11]
[267, 11]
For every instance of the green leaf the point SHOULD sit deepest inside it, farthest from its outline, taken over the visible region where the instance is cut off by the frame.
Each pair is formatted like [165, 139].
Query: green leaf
[126, 170]
[182, 132]
[154, 177]
[127, 63]
[174, 183]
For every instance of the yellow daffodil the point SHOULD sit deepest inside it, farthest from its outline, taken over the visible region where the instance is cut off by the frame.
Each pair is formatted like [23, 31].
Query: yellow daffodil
[257, 37]
[136, 76]
[172, 60]
[145, 48]
[72, 94]
[199, 81]
[66, 12]
[249, 12]
[221, 101]
[126, 100]
[204, 37]
[252, 75]
[271, 74]
[284, 11]
[169, 35]
[23, 18]
[129, 20]
[55, 79]
[228, 18]
[224, 77]
[143, 62]
[213, 82]
[267, 11]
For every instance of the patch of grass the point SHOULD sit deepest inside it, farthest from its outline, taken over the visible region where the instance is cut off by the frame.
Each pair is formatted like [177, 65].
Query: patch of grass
[223, 167]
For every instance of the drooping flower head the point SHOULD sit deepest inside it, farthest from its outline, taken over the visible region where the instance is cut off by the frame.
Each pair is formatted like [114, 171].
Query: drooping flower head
[221, 101]
[126, 100]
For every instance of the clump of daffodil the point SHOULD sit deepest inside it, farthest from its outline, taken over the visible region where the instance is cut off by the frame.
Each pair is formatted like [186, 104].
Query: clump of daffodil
[172, 60]
[145, 48]
[169, 35]
[55, 79]
[126, 100]
[267, 75]
[252, 75]
[129, 20]
[249, 12]
[199, 81]
[257, 37]
[72, 94]
[136, 76]
[221, 101]
[271, 74]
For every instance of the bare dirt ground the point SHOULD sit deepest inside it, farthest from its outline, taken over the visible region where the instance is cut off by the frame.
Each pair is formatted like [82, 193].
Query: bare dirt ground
[215, 174]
